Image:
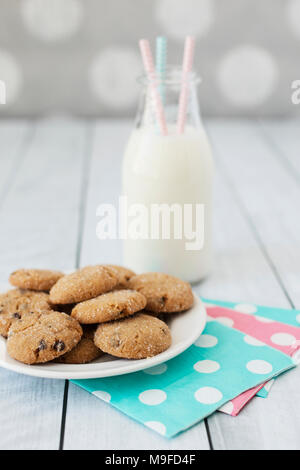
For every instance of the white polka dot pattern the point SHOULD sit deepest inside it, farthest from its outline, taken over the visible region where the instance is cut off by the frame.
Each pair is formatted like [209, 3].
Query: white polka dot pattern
[172, 396]
[209, 318]
[246, 308]
[225, 321]
[206, 366]
[264, 319]
[253, 341]
[206, 341]
[283, 339]
[208, 395]
[105, 396]
[152, 397]
[156, 426]
[259, 366]
[156, 370]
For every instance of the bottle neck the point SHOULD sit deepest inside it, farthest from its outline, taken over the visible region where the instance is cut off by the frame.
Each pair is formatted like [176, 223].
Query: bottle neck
[169, 89]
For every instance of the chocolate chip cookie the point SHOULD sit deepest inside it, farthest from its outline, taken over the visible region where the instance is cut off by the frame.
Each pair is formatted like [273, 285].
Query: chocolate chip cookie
[83, 284]
[42, 337]
[35, 279]
[16, 303]
[164, 293]
[111, 306]
[85, 351]
[136, 337]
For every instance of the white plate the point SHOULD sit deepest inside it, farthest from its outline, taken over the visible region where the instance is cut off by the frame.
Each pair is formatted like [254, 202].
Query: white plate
[185, 329]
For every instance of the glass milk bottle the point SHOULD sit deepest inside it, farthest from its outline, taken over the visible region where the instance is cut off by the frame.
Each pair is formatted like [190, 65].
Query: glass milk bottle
[167, 183]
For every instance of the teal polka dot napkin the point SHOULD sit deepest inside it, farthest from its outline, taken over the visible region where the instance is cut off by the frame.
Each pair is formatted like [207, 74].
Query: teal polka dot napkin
[173, 396]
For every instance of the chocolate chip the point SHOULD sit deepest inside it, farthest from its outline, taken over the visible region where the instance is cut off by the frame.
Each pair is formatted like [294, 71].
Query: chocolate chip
[59, 345]
[163, 300]
[16, 315]
[42, 345]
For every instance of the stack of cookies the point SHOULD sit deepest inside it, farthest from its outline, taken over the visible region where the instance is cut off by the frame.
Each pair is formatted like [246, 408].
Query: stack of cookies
[76, 318]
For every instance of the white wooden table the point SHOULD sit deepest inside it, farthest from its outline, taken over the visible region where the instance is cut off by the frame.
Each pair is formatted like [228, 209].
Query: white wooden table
[54, 173]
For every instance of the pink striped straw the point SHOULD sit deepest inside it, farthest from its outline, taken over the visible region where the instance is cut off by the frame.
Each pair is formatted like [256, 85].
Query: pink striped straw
[187, 65]
[150, 71]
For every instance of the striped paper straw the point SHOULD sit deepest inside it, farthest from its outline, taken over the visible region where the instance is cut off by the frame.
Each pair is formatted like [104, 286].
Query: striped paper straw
[150, 71]
[161, 62]
[188, 57]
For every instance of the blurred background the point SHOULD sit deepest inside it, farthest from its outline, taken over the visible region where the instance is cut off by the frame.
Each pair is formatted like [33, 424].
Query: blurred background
[81, 57]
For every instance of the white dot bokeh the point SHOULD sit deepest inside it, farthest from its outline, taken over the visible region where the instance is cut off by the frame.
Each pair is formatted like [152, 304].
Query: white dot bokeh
[283, 339]
[259, 366]
[247, 76]
[193, 17]
[112, 77]
[152, 397]
[206, 366]
[208, 395]
[52, 21]
[11, 75]
[156, 426]
[105, 396]
[293, 16]
[253, 341]
[206, 341]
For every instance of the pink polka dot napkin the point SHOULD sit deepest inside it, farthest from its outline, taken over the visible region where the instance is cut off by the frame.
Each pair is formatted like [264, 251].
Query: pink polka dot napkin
[260, 331]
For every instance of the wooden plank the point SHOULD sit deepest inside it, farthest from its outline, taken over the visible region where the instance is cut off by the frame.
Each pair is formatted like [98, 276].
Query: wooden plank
[30, 412]
[266, 195]
[284, 137]
[39, 227]
[104, 186]
[39, 219]
[264, 424]
[240, 272]
[91, 424]
[14, 138]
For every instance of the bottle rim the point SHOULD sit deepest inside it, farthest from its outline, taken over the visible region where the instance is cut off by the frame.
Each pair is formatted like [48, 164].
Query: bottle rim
[171, 77]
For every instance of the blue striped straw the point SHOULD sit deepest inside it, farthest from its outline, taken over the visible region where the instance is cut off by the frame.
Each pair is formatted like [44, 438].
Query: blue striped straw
[161, 63]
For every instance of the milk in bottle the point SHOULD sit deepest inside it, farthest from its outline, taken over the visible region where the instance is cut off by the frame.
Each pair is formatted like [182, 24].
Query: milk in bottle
[168, 180]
